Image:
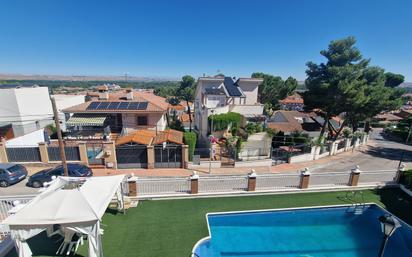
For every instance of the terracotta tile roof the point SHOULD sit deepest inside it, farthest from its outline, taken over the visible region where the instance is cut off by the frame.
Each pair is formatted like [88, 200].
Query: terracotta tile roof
[169, 135]
[286, 121]
[149, 137]
[155, 103]
[292, 99]
[185, 117]
[388, 117]
[143, 137]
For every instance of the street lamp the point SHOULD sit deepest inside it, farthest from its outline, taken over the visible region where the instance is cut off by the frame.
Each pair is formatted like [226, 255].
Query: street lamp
[210, 141]
[388, 225]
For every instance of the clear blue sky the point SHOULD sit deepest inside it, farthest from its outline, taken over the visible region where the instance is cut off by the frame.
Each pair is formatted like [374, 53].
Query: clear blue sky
[173, 38]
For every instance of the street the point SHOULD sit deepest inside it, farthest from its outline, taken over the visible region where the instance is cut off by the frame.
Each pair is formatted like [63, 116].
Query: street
[380, 154]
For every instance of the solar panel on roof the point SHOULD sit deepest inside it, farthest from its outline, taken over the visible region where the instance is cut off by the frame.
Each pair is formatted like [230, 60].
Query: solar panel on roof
[123, 105]
[231, 87]
[103, 106]
[143, 106]
[113, 105]
[133, 106]
[93, 105]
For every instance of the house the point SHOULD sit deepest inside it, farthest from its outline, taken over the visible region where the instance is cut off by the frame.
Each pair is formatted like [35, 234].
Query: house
[120, 112]
[215, 95]
[293, 102]
[64, 102]
[26, 108]
[289, 122]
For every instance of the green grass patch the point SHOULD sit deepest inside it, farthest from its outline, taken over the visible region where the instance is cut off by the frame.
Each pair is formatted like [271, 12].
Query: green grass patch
[172, 227]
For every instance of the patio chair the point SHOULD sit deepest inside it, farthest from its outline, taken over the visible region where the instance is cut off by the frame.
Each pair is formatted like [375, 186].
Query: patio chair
[71, 242]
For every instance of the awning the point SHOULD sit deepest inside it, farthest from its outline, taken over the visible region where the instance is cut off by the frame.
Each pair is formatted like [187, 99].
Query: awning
[87, 120]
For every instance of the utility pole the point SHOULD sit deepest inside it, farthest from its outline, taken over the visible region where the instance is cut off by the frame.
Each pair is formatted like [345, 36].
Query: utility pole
[409, 134]
[211, 144]
[59, 136]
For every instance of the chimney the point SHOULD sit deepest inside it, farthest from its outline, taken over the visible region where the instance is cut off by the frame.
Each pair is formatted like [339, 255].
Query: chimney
[103, 92]
[129, 93]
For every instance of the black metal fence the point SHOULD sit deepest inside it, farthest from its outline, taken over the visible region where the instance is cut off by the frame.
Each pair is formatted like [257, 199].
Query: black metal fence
[72, 153]
[23, 154]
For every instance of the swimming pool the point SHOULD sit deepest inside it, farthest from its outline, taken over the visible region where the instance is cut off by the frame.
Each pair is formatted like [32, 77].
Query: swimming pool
[335, 231]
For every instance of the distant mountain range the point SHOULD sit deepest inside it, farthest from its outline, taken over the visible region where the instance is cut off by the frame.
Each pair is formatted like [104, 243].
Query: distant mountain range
[5, 76]
[406, 84]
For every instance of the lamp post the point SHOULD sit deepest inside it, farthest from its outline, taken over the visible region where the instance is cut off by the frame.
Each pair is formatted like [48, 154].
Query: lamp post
[388, 225]
[210, 141]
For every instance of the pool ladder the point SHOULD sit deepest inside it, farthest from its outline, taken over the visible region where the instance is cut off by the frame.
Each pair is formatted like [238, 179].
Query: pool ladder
[357, 200]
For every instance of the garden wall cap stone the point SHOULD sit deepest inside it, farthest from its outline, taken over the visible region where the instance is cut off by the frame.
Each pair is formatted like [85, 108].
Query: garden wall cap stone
[305, 172]
[356, 169]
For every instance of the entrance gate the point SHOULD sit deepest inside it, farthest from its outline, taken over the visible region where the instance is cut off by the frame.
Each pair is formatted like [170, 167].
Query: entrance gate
[168, 157]
[131, 156]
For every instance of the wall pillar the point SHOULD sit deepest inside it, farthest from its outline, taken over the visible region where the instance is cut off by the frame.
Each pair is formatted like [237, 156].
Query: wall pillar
[109, 155]
[3, 153]
[347, 144]
[132, 184]
[304, 179]
[354, 176]
[83, 153]
[400, 172]
[185, 156]
[251, 181]
[194, 183]
[332, 148]
[44, 154]
[150, 157]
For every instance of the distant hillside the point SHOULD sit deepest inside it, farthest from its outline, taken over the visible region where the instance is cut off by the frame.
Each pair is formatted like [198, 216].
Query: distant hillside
[4, 76]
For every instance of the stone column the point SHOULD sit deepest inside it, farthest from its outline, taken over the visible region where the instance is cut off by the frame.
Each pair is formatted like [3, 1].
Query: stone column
[44, 154]
[251, 181]
[185, 156]
[194, 183]
[132, 184]
[347, 144]
[150, 157]
[83, 153]
[3, 153]
[354, 176]
[332, 148]
[109, 155]
[304, 179]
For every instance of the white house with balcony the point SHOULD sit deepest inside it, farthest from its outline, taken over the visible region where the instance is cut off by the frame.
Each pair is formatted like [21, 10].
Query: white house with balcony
[215, 95]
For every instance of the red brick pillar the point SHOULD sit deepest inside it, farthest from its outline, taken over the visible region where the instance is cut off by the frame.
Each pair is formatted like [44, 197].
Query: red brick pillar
[304, 179]
[251, 181]
[194, 183]
[354, 176]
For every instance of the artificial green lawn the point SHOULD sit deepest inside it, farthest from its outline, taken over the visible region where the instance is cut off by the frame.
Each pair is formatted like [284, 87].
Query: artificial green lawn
[170, 228]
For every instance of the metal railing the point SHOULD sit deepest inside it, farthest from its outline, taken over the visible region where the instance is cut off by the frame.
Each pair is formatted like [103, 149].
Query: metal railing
[222, 184]
[163, 185]
[330, 179]
[277, 181]
[377, 177]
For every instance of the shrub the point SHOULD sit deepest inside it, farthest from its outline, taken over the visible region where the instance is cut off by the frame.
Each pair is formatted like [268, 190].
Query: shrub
[190, 140]
[406, 179]
[224, 120]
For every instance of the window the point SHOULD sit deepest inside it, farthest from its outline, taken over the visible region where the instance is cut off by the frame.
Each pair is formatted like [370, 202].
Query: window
[142, 120]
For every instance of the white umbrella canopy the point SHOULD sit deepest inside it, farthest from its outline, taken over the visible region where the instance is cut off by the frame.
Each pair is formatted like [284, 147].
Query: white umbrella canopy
[77, 204]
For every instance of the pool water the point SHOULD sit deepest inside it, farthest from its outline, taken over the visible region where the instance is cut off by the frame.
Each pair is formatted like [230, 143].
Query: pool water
[314, 232]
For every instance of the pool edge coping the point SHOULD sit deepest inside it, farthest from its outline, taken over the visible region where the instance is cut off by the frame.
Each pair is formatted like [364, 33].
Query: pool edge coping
[202, 240]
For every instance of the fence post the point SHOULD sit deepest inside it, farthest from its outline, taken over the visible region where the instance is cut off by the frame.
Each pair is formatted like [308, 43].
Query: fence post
[150, 157]
[83, 153]
[347, 144]
[354, 176]
[44, 154]
[304, 179]
[109, 156]
[185, 156]
[3, 153]
[132, 184]
[332, 148]
[251, 181]
[400, 172]
[194, 183]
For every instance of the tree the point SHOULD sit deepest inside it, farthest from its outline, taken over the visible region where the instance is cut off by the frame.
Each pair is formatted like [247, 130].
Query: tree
[273, 89]
[393, 80]
[185, 92]
[347, 84]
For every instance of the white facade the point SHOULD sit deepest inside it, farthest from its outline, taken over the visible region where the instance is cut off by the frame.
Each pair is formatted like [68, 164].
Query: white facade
[31, 139]
[213, 94]
[66, 101]
[26, 108]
